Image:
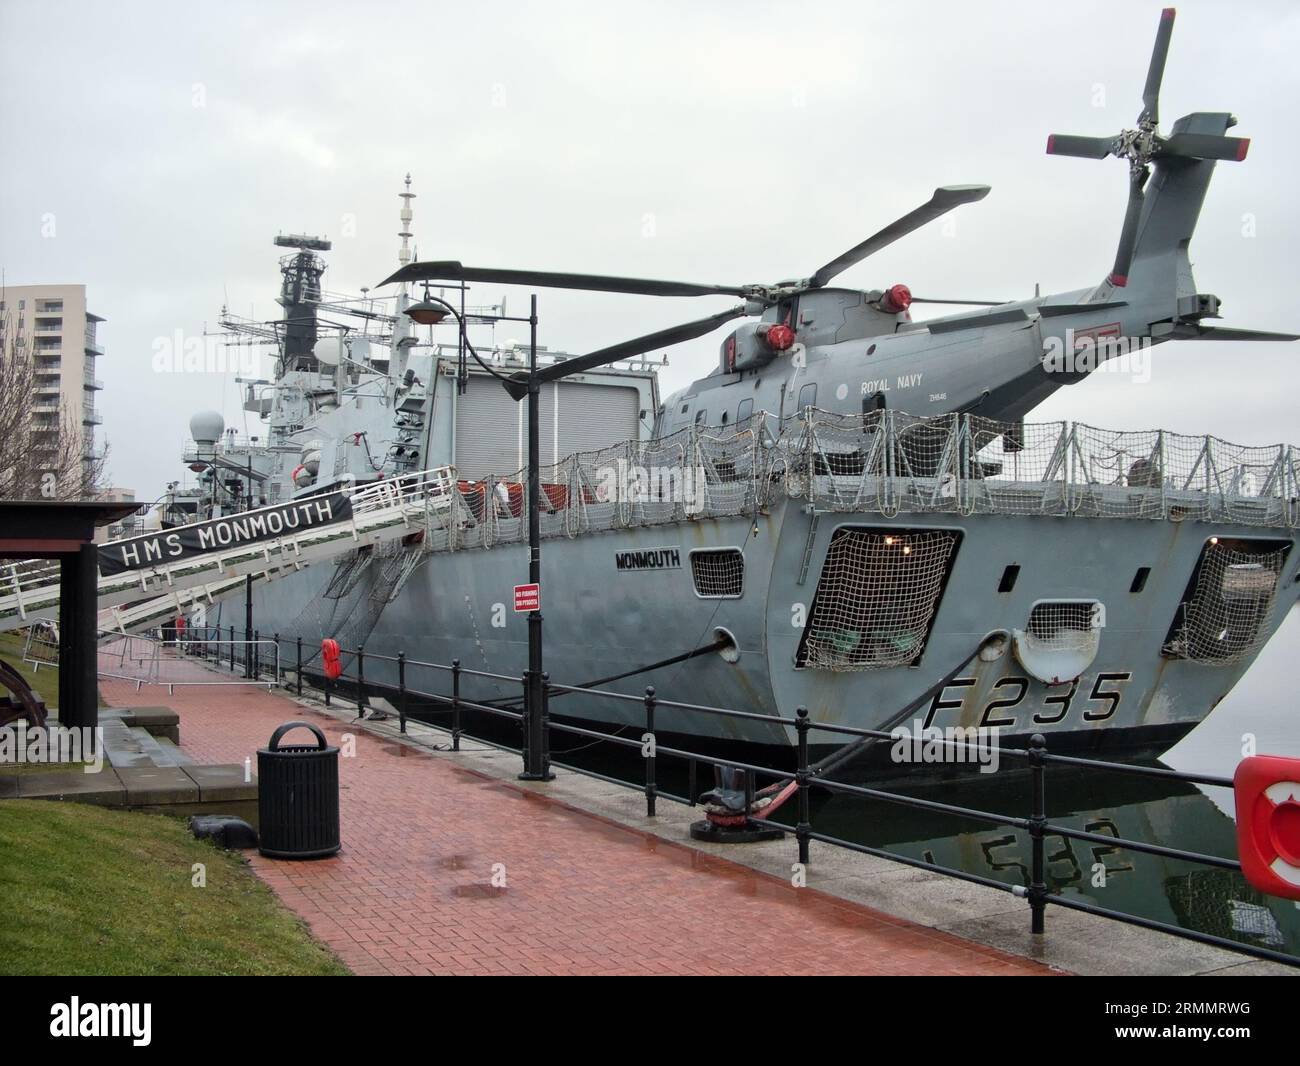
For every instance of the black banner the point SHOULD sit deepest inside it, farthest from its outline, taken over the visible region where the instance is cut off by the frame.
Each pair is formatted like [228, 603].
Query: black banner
[248, 527]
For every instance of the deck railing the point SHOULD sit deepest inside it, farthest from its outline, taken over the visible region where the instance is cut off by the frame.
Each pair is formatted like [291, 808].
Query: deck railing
[889, 463]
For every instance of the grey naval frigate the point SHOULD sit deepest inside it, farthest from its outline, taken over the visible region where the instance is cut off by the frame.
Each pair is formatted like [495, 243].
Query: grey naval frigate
[851, 513]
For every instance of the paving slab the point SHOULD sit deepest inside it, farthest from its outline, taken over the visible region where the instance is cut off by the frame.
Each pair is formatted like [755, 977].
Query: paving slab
[1096, 946]
[171, 753]
[221, 782]
[157, 785]
[104, 789]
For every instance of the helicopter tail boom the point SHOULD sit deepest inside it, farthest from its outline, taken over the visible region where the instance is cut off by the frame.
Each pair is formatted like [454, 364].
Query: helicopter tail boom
[1158, 264]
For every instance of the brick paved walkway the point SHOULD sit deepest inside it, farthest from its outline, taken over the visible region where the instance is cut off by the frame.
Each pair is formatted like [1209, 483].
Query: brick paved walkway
[411, 891]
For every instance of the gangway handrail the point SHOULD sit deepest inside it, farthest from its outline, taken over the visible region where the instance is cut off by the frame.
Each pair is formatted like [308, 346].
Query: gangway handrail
[379, 510]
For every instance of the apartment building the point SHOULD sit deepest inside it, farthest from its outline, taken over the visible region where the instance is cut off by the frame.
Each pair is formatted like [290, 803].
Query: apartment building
[53, 323]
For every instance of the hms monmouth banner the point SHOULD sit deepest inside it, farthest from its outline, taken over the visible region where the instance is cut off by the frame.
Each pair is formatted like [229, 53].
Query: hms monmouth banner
[167, 546]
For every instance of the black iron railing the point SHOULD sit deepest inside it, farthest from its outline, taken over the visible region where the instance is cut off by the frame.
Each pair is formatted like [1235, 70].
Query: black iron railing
[805, 777]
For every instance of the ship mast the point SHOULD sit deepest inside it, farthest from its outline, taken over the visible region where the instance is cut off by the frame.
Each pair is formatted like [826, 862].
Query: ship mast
[402, 335]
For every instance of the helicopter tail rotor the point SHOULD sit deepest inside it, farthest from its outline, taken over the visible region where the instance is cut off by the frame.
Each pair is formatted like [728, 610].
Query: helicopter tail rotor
[1145, 146]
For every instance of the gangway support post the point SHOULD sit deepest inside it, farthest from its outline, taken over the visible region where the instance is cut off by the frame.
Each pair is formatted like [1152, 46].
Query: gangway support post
[78, 648]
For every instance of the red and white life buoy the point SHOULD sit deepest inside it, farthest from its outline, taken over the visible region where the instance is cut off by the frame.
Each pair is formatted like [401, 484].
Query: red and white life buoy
[1267, 790]
[329, 654]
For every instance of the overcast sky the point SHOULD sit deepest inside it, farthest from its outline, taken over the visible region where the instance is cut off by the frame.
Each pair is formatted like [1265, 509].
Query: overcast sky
[720, 142]
[711, 142]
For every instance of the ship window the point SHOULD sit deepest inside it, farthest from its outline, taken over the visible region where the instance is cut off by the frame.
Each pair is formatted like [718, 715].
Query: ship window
[719, 574]
[808, 396]
[1228, 599]
[1009, 576]
[745, 409]
[1140, 579]
[876, 598]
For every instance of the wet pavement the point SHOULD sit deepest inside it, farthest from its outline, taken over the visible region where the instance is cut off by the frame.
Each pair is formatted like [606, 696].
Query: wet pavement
[444, 870]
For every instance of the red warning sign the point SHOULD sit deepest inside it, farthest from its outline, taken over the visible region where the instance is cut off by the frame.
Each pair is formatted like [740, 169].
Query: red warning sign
[528, 598]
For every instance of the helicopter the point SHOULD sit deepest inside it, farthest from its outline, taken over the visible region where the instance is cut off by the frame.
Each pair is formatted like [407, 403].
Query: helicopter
[846, 351]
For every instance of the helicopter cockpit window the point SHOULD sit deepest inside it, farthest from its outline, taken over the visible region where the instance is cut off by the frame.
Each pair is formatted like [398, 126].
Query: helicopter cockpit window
[745, 409]
[700, 416]
[808, 396]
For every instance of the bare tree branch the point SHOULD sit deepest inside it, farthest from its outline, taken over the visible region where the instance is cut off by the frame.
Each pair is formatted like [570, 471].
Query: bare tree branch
[42, 446]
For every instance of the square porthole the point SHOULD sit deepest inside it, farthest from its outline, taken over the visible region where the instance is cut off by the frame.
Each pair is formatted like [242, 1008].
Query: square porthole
[719, 574]
[1140, 579]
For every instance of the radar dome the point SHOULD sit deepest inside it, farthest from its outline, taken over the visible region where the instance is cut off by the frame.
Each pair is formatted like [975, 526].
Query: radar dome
[206, 427]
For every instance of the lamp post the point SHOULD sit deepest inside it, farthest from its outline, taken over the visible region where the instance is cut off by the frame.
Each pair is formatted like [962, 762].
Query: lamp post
[432, 310]
[429, 312]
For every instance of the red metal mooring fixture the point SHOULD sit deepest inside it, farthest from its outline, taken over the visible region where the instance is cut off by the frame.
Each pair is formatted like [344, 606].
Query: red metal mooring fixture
[1267, 789]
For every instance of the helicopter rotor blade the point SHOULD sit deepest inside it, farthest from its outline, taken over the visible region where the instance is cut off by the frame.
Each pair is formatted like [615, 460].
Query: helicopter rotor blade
[1205, 146]
[1156, 71]
[1128, 235]
[451, 270]
[1083, 147]
[969, 303]
[663, 338]
[943, 201]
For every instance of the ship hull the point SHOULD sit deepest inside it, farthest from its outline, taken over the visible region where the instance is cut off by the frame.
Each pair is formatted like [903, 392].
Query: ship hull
[603, 619]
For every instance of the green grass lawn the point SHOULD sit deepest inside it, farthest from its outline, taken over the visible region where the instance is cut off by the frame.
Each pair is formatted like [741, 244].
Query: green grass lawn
[89, 890]
[45, 681]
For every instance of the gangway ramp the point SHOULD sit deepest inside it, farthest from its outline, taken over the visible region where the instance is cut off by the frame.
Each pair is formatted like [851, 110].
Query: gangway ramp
[147, 579]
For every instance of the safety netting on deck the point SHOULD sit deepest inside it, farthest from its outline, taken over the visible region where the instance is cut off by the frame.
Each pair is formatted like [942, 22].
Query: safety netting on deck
[887, 462]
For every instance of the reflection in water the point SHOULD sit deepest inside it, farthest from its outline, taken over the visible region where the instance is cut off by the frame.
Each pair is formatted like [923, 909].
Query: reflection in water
[1170, 813]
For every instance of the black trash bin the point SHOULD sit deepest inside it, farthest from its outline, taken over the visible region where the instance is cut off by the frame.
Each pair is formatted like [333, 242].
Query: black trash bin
[298, 797]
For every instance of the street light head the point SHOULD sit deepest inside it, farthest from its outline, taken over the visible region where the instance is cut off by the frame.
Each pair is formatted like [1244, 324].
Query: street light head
[427, 313]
